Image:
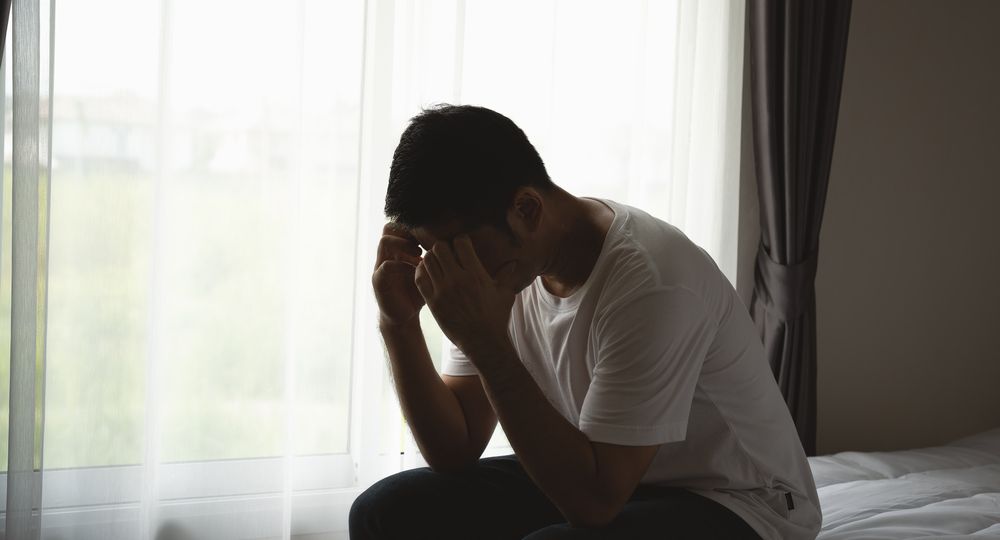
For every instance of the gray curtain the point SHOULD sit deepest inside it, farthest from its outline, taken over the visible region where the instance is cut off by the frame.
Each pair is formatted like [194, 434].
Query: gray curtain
[5, 15]
[797, 53]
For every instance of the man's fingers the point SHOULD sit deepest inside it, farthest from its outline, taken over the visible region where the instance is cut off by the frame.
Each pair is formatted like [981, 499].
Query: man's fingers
[395, 243]
[395, 229]
[445, 256]
[433, 268]
[466, 255]
[423, 281]
[395, 248]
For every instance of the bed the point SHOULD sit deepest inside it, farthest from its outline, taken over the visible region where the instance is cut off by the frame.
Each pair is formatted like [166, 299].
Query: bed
[950, 491]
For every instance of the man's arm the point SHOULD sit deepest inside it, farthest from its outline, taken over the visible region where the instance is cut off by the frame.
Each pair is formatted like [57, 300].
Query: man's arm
[588, 481]
[450, 424]
[480, 420]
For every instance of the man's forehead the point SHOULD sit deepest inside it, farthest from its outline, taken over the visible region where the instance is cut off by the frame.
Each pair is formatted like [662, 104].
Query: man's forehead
[429, 234]
[425, 240]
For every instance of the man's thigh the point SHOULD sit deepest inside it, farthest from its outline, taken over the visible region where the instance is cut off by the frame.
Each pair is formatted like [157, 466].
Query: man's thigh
[494, 500]
[660, 513]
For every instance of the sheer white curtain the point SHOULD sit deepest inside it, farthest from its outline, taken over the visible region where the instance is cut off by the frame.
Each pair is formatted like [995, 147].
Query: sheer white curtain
[192, 198]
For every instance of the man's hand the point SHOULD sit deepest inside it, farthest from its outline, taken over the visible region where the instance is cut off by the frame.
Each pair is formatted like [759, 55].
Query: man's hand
[471, 307]
[399, 301]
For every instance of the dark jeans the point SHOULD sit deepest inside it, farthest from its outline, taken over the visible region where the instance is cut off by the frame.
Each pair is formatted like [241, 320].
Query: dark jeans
[497, 500]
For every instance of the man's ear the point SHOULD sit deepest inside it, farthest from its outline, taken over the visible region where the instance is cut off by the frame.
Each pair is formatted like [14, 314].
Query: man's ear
[527, 209]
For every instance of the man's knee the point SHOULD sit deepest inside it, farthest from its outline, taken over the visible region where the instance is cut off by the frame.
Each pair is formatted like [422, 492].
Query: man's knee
[380, 503]
[362, 519]
[563, 531]
[396, 500]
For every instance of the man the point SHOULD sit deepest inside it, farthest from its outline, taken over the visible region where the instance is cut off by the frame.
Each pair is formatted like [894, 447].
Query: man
[625, 371]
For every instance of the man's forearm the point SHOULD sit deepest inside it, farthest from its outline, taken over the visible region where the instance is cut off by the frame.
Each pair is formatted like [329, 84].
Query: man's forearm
[431, 409]
[557, 455]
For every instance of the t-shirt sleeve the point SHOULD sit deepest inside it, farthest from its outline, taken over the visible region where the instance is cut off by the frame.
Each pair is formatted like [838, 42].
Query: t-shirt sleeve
[457, 364]
[650, 351]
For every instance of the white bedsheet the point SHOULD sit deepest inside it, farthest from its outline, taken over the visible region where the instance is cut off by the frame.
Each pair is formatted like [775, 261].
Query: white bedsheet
[950, 491]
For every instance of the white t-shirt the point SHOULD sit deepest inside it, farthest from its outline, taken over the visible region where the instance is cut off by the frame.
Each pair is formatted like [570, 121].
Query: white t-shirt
[656, 348]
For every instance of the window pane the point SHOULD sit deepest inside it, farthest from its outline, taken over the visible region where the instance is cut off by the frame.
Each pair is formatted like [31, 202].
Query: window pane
[103, 152]
[203, 226]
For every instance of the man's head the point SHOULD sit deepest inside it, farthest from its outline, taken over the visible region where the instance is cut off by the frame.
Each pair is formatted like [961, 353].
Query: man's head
[466, 169]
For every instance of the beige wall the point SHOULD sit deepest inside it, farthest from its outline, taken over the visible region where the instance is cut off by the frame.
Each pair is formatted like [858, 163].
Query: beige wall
[908, 286]
[909, 277]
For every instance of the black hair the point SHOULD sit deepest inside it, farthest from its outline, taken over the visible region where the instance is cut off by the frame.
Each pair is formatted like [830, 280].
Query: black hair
[460, 162]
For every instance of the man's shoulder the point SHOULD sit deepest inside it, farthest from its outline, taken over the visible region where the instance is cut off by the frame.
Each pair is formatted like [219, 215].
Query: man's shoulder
[653, 257]
[665, 250]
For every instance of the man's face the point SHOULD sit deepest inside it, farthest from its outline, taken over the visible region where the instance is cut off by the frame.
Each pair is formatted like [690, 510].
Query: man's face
[494, 247]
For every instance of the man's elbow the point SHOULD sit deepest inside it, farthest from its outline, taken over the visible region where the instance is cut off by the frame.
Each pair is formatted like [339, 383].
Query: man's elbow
[593, 515]
[452, 462]
[450, 465]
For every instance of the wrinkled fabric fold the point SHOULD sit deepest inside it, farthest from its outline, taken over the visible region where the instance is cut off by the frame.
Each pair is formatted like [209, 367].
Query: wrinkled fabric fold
[784, 290]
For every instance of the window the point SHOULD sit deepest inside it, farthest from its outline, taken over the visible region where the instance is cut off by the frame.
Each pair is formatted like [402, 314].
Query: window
[217, 176]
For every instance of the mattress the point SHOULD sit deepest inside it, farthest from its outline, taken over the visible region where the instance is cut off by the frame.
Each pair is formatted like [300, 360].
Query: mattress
[950, 491]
